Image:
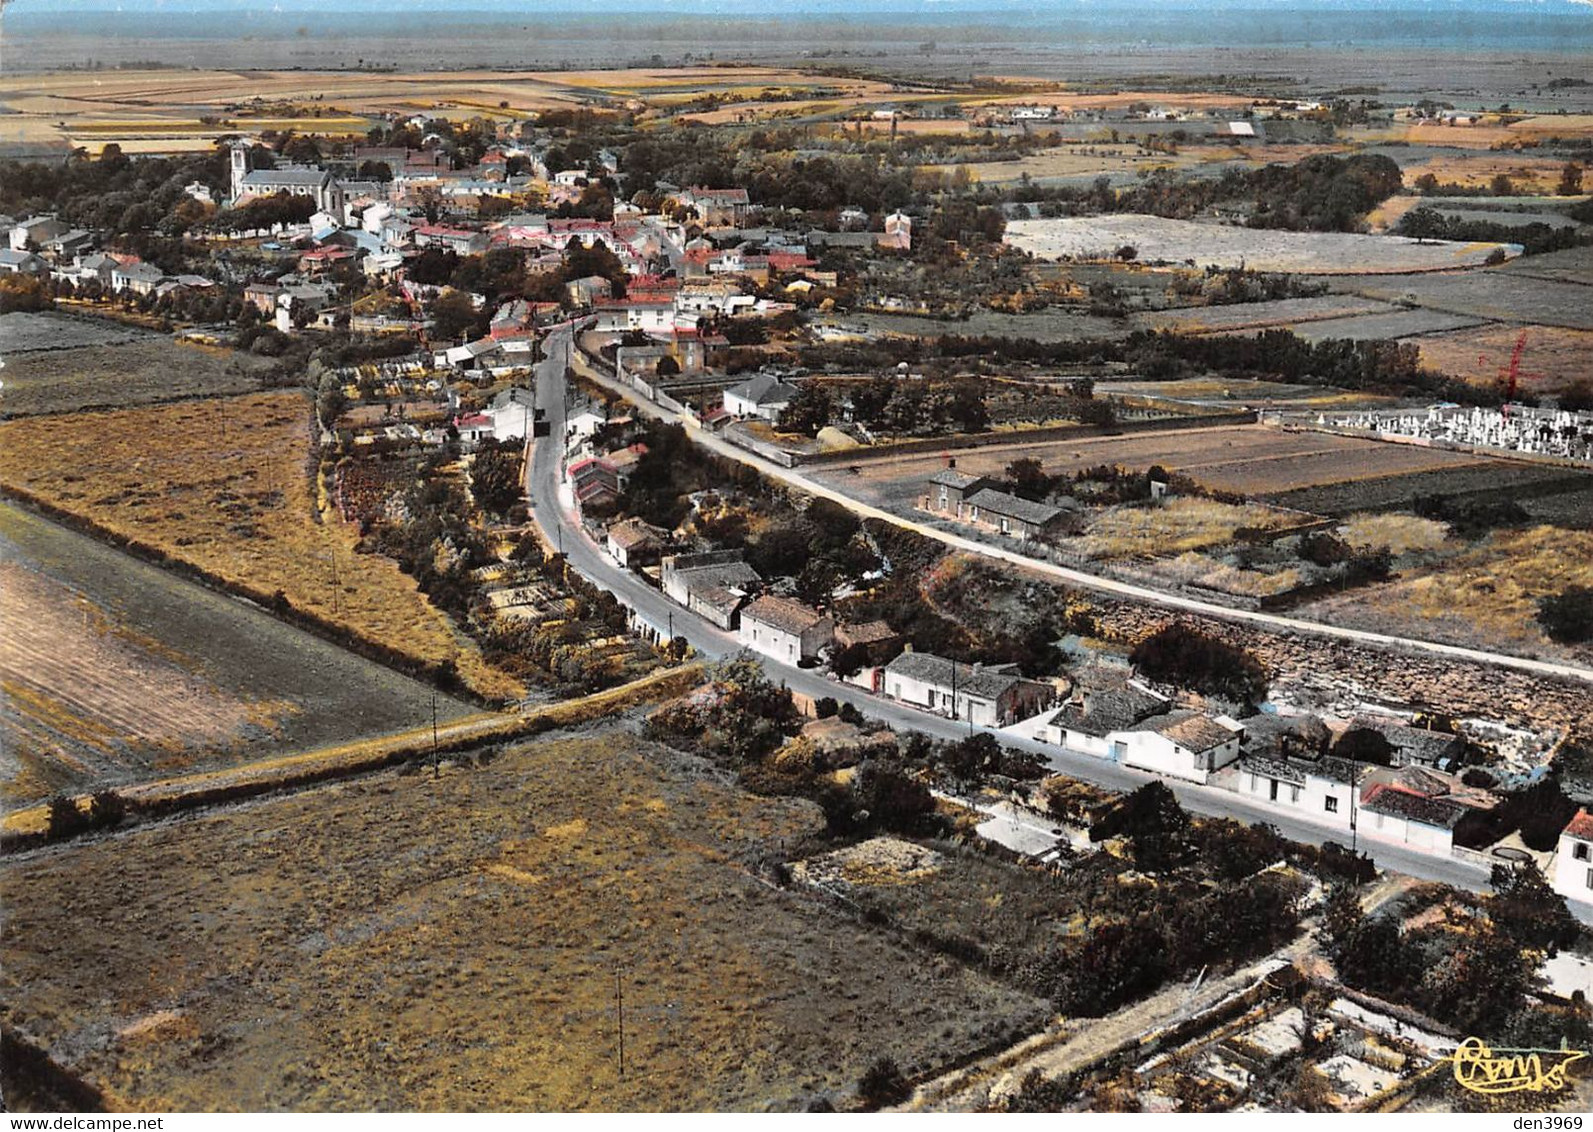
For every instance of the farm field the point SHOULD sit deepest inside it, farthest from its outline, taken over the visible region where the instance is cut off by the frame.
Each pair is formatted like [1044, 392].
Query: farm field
[1066, 162]
[141, 370]
[1531, 485]
[477, 970]
[1572, 265]
[1496, 294]
[114, 671]
[1174, 527]
[1552, 358]
[1248, 459]
[1158, 240]
[1043, 326]
[1392, 324]
[222, 484]
[1482, 596]
[1226, 393]
[1256, 316]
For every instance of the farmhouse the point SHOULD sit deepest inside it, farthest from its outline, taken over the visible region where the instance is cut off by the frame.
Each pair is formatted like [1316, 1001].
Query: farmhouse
[1573, 863]
[35, 233]
[716, 208]
[898, 234]
[1181, 744]
[784, 629]
[1416, 746]
[985, 696]
[1007, 514]
[460, 241]
[714, 584]
[140, 278]
[764, 396]
[949, 487]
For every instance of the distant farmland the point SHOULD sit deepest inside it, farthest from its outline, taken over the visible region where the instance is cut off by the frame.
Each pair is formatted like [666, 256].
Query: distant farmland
[1158, 240]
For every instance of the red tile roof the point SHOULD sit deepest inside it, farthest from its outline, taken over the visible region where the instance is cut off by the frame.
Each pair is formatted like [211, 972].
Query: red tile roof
[1581, 825]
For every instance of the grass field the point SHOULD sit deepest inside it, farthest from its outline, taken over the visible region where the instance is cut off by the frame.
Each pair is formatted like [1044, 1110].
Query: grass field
[1258, 316]
[1496, 294]
[113, 671]
[1482, 596]
[1176, 526]
[222, 484]
[266, 958]
[1159, 240]
[133, 368]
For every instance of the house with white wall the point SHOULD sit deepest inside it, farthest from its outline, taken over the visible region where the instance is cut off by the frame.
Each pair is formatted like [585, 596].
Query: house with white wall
[1425, 822]
[985, 695]
[1086, 723]
[1180, 744]
[764, 396]
[784, 629]
[1320, 789]
[1573, 863]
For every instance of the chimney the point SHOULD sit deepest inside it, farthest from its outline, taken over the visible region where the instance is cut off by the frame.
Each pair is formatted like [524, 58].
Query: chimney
[951, 461]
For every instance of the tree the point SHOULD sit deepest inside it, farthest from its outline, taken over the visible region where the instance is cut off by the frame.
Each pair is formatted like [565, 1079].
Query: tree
[667, 367]
[1365, 745]
[1570, 180]
[809, 411]
[1528, 910]
[1502, 185]
[1180, 654]
[65, 819]
[1154, 823]
[1028, 479]
[452, 315]
[495, 476]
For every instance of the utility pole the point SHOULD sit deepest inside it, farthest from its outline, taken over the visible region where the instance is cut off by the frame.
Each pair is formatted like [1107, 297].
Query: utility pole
[436, 757]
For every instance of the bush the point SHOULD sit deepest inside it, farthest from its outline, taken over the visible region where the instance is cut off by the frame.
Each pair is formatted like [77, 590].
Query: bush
[65, 819]
[851, 714]
[1567, 617]
[883, 1084]
[825, 706]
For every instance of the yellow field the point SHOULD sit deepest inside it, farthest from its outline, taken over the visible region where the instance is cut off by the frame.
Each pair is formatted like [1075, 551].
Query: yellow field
[221, 484]
[1179, 525]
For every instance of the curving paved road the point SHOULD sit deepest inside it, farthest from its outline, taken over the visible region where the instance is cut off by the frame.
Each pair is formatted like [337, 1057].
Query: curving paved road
[1076, 577]
[554, 513]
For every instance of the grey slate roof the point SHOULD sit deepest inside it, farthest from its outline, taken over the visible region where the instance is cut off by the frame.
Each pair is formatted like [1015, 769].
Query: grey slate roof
[764, 389]
[1103, 712]
[265, 178]
[951, 477]
[1008, 505]
[981, 682]
[1413, 807]
[1280, 769]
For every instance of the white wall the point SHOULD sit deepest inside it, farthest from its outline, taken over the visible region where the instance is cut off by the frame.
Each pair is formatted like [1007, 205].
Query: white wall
[1387, 827]
[1149, 751]
[1573, 876]
[771, 642]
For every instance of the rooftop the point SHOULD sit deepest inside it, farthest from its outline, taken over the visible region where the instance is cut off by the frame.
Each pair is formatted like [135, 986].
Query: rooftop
[1190, 730]
[1008, 505]
[783, 613]
[1400, 803]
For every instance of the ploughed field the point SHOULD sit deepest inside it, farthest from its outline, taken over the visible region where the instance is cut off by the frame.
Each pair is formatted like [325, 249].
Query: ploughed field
[1159, 240]
[114, 671]
[223, 485]
[60, 363]
[461, 942]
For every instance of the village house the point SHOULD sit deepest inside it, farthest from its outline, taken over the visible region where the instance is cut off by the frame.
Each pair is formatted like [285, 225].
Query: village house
[1573, 862]
[1320, 788]
[948, 488]
[588, 290]
[138, 277]
[784, 629]
[898, 234]
[1416, 746]
[28, 235]
[633, 543]
[714, 584]
[460, 241]
[986, 696]
[14, 262]
[764, 396]
[593, 481]
[1088, 721]
[716, 208]
[1180, 744]
[1425, 822]
[1010, 515]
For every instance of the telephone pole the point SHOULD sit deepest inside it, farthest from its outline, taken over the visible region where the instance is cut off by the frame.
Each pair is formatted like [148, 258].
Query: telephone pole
[619, 995]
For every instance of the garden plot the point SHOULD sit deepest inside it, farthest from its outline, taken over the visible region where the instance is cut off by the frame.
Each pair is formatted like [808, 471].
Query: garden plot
[25, 331]
[1571, 265]
[140, 370]
[1159, 240]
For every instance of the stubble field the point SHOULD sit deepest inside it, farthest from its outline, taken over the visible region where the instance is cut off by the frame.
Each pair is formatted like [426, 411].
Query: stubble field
[114, 671]
[476, 960]
[222, 484]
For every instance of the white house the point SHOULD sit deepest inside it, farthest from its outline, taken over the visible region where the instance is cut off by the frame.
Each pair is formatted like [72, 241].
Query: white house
[764, 396]
[14, 262]
[140, 278]
[713, 584]
[633, 543]
[1087, 724]
[511, 414]
[986, 696]
[1181, 744]
[1573, 863]
[1320, 790]
[1423, 822]
[784, 629]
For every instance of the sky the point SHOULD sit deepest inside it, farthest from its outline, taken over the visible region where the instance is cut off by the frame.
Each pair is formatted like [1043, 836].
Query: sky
[787, 7]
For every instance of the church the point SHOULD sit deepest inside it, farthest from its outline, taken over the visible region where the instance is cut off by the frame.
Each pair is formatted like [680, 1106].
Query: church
[299, 180]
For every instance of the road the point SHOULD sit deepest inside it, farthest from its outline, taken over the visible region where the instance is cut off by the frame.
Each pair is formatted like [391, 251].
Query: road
[1082, 579]
[554, 513]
